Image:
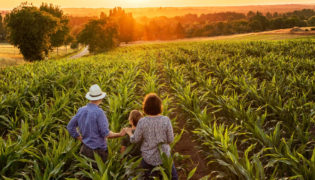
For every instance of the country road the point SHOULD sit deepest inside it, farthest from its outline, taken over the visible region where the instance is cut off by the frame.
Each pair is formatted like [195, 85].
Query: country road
[84, 52]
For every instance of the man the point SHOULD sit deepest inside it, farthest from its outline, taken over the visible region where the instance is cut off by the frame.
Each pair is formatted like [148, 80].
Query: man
[93, 126]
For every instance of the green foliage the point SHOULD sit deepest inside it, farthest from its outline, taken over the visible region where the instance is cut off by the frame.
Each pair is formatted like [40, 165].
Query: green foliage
[252, 111]
[258, 22]
[59, 38]
[74, 45]
[100, 35]
[2, 29]
[30, 30]
[311, 21]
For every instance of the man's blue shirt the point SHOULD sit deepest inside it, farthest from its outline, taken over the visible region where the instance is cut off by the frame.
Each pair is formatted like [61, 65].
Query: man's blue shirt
[93, 126]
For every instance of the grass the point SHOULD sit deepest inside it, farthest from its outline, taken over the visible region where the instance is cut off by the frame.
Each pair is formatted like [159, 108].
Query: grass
[10, 55]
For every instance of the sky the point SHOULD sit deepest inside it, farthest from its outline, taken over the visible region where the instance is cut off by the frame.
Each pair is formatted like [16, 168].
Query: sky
[9, 4]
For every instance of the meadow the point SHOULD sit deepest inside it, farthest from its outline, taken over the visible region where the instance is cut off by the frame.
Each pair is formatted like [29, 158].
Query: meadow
[249, 105]
[10, 55]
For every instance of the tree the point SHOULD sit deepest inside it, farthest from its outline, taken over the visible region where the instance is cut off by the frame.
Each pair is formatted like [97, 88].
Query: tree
[59, 38]
[278, 23]
[311, 21]
[68, 41]
[259, 22]
[100, 35]
[30, 30]
[103, 15]
[125, 23]
[269, 15]
[2, 35]
[250, 14]
[179, 31]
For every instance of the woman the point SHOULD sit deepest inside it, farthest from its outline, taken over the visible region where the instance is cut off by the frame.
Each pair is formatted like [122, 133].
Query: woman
[153, 130]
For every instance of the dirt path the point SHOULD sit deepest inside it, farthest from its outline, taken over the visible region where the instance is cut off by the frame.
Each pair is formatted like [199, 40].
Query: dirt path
[186, 145]
[84, 52]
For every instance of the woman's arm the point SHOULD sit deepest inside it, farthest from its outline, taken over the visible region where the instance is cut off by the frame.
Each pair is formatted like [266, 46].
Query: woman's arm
[137, 136]
[169, 132]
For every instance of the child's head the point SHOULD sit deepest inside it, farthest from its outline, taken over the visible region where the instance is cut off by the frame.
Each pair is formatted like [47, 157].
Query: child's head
[134, 117]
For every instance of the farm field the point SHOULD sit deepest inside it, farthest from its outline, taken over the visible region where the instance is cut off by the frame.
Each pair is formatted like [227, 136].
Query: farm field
[280, 34]
[248, 105]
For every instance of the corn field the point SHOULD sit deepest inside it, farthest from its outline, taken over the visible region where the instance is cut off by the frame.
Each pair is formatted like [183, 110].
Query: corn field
[248, 104]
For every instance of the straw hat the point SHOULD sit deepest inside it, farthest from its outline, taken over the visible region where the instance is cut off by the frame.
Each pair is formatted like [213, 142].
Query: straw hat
[95, 93]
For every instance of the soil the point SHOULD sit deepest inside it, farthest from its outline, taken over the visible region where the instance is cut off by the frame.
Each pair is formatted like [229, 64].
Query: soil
[187, 146]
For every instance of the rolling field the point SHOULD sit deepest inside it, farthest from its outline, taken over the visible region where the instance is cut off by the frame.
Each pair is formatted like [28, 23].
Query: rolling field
[249, 105]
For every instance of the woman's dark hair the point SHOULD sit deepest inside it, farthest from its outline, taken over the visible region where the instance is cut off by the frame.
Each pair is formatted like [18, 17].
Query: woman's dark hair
[135, 116]
[152, 104]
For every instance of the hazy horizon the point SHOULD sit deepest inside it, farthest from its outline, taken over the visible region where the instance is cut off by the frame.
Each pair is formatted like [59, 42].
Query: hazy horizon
[7, 5]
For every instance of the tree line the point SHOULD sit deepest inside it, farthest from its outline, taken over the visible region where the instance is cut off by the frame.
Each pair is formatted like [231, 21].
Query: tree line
[36, 30]
[191, 25]
[214, 24]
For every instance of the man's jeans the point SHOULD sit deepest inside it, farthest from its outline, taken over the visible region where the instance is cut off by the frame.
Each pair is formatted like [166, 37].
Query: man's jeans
[88, 152]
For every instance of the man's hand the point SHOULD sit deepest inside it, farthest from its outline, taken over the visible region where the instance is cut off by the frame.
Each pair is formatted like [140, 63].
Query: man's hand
[122, 132]
[128, 131]
[79, 138]
[116, 135]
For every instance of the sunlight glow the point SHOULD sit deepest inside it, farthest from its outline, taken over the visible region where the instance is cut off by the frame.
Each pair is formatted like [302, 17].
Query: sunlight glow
[5, 4]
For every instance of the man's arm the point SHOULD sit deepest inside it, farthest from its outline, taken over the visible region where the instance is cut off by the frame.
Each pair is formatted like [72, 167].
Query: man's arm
[112, 135]
[72, 127]
[103, 128]
[102, 123]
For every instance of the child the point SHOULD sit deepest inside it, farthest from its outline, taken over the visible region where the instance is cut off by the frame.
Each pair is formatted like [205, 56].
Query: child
[134, 118]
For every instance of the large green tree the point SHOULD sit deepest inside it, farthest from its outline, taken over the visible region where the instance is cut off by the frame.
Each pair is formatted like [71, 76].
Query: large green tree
[100, 35]
[30, 30]
[60, 37]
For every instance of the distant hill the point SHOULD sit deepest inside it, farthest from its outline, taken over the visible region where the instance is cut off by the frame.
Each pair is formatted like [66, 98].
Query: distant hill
[179, 11]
